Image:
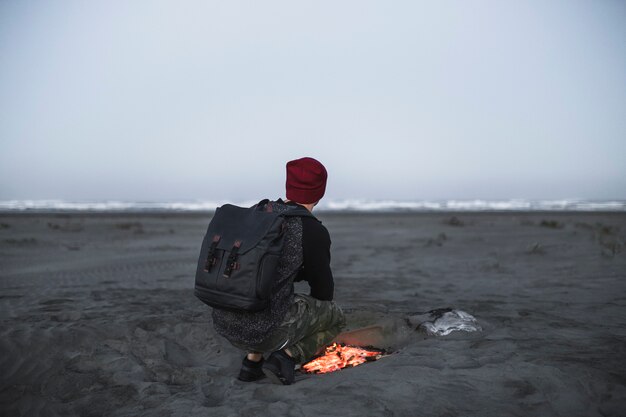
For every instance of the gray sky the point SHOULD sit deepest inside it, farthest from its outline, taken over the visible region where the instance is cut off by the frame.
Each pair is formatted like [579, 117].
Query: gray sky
[154, 100]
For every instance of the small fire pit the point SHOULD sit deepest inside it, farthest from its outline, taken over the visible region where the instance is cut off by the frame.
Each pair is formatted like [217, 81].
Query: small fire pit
[339, 356]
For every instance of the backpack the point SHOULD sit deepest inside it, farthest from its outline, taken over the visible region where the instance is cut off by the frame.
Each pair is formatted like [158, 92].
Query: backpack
[240, 254]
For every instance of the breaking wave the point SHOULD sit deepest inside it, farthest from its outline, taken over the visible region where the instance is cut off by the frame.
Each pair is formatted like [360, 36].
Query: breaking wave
[477, 205]
[350, 205]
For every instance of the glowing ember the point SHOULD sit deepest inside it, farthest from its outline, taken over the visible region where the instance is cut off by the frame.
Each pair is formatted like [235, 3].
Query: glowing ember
[337, 357]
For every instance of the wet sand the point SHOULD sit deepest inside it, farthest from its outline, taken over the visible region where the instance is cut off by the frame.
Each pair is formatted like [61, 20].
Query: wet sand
[99, 318]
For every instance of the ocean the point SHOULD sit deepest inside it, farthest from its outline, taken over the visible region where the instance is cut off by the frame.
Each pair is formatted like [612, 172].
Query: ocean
[338, 205]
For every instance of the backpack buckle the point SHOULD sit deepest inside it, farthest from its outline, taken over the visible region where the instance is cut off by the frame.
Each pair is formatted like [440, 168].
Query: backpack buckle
[231, 263]
[211, 260]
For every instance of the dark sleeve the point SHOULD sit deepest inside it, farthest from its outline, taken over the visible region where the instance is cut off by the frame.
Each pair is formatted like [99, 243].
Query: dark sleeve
[316, 268]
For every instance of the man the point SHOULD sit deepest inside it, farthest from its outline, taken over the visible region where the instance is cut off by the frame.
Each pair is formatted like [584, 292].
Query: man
[295, 326]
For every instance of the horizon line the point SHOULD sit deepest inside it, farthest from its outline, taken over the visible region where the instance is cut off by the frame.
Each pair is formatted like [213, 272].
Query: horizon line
[352, 204]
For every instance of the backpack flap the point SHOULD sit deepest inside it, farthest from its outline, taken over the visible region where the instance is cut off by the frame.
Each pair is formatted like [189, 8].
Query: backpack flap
[248, 226]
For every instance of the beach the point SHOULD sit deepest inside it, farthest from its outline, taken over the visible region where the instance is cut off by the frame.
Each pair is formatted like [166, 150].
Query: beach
[98, 317]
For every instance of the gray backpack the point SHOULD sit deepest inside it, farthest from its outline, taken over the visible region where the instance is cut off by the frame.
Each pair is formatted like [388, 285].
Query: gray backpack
[240, 255]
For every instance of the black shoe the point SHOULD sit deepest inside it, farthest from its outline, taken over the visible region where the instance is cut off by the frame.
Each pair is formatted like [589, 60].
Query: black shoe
[251, 371]
[280, 368]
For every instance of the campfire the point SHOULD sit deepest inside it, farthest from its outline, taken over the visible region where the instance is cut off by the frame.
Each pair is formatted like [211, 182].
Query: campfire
[339, 356]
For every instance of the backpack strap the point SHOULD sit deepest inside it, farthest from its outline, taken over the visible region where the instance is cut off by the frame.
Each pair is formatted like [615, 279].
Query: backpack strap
[260, 205]
[211, 259]
[298, 212]
[232, 263]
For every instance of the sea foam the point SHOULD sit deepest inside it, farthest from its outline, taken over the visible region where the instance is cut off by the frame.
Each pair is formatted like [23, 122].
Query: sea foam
[347, 205]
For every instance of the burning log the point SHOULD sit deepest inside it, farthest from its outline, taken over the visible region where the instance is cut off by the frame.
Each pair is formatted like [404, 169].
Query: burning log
[339, 356]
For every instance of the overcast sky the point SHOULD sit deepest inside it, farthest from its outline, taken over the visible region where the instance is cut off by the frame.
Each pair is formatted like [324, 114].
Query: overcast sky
[409, 100]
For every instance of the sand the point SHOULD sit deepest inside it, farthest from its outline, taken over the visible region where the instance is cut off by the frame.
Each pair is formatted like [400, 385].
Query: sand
[98, 318]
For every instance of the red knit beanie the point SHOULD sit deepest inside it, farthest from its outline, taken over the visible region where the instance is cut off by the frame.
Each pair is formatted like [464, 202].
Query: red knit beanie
[306, 180]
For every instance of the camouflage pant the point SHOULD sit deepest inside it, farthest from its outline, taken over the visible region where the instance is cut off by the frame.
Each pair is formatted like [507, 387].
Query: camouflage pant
[309, 325]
